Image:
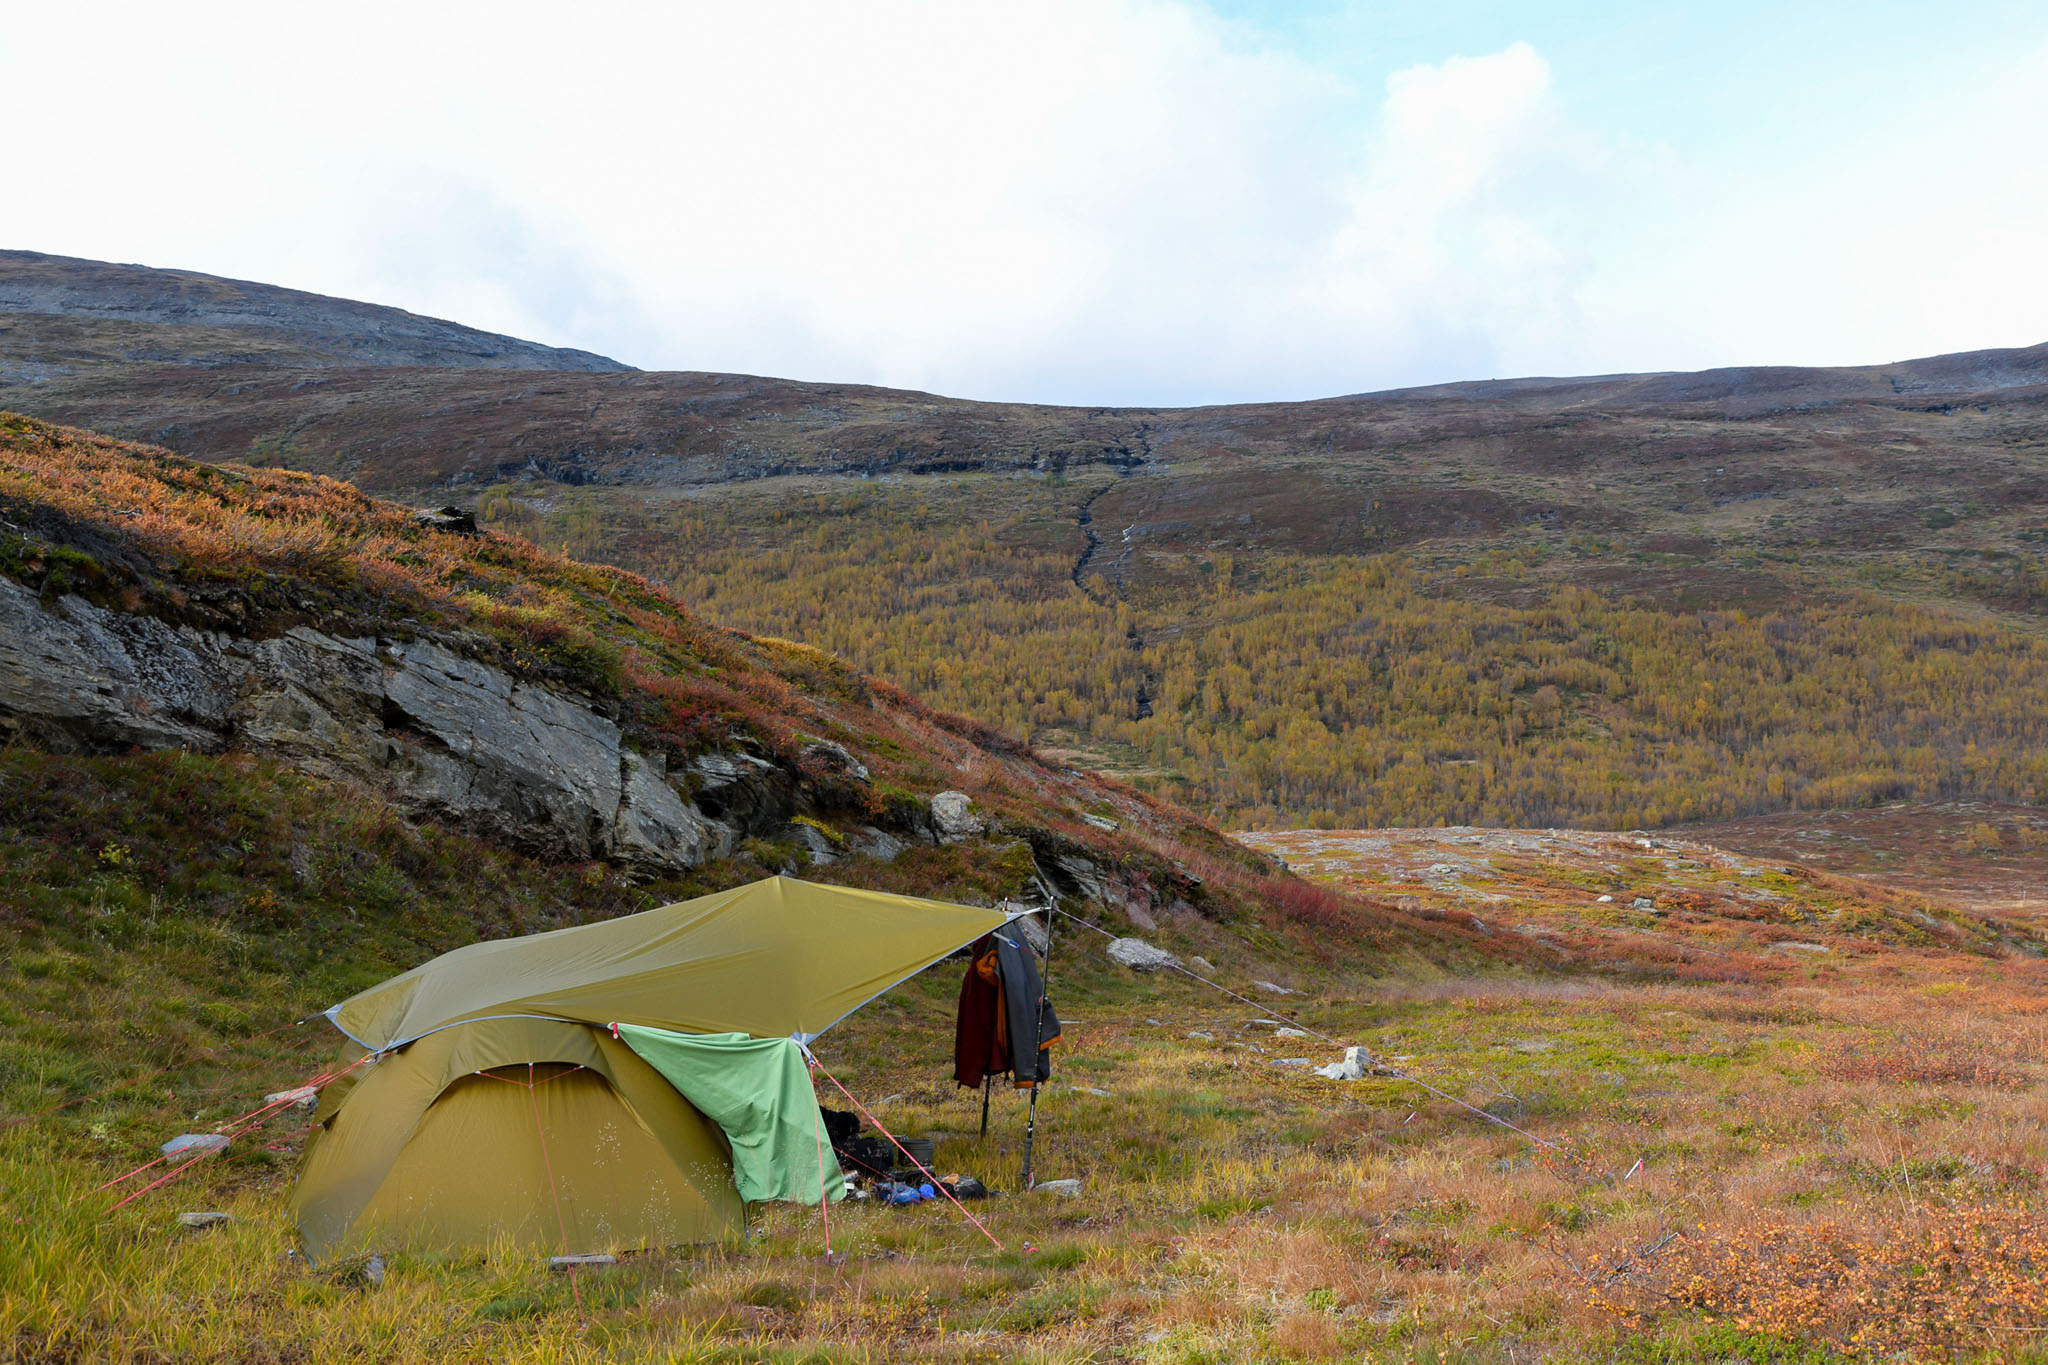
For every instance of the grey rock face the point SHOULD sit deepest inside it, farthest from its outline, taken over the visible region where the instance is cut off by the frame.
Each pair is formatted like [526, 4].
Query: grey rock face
[953, 818]
[837, 758]
[434, 730]
[742, 791]
[654, 828]
[121, 680]
[878, 844]
[1140, 956]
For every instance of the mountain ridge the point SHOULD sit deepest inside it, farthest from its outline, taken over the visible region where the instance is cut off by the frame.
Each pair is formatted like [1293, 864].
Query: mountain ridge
[211, 321]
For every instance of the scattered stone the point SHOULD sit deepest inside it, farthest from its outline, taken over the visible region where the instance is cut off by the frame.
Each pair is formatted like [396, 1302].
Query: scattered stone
[373, 1271]
[953, 817]
[453, 520]
[1069, 1189]
[1292, 1061]
[1271, 989]
[1139, 914]
[1271, 1023]
[1140, 956]
[1203, 965]
[1603, 900]
[582, 1258]
[1290, 1033]
[1091, 1090]
[1642, 903]
[1354, 1066]
[1202, 1035]
[305, 1099]
[203, 1220]
[185, 1146]
[1102, 822]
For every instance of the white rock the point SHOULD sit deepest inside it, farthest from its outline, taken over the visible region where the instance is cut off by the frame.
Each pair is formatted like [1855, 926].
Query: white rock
[185, 1146]
[953, 817]
[1603, 900]
[1201, 1036]
[1290, 1033]
[1354, 1066]
[306, 1097]
[1140, 956]
[1066, 1188]
[1292, 1061]
[203, 1220]
[1101, 822]
[1203, 965]
[1271, 989]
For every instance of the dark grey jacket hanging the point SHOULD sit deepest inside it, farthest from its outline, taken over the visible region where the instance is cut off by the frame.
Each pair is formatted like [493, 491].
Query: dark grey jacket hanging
[1032, 1023]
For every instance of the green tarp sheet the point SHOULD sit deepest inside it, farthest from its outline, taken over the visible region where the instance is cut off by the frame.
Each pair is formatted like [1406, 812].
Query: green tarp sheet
[759, 1091]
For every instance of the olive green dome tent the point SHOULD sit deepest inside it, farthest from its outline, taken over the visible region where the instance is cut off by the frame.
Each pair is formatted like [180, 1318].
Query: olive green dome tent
[622, 1084]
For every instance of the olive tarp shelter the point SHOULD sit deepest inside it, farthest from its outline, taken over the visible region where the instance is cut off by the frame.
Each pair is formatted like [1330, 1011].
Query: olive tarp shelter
[487, 1098]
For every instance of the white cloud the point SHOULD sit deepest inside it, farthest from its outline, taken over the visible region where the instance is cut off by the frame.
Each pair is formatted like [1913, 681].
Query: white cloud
[1076, 200]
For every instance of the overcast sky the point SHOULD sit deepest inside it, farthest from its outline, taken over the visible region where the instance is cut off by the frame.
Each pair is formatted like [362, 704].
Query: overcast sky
[1092, 202]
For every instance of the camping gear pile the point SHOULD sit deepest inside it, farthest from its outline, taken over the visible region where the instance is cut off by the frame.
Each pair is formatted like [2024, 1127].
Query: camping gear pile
[876, 1168]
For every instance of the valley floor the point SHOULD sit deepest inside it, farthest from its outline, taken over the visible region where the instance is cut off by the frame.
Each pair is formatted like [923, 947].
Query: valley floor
[1791, 1122]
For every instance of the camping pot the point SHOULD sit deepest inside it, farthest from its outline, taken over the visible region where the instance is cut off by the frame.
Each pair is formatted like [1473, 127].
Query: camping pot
[918, 1149]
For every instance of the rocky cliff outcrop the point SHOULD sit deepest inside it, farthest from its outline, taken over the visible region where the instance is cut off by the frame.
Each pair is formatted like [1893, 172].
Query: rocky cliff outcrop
[437, 732]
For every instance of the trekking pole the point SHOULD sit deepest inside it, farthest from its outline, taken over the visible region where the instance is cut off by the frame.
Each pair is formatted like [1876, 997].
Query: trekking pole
[1037, 1051]
[986, 1078]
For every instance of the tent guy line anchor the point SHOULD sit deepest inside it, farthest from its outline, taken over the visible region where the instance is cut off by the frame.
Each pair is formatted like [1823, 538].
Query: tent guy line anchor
[236, 1127]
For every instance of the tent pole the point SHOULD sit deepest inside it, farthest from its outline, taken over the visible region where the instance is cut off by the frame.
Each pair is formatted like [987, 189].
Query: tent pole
[986, 1078]
[1037, 1052]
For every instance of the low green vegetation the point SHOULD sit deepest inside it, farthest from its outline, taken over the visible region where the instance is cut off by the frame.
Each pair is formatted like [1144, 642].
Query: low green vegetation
[1792, 1119]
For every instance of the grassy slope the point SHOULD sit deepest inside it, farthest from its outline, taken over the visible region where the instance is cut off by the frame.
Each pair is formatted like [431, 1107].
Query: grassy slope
[1868, 1118]
[1806, 1121]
